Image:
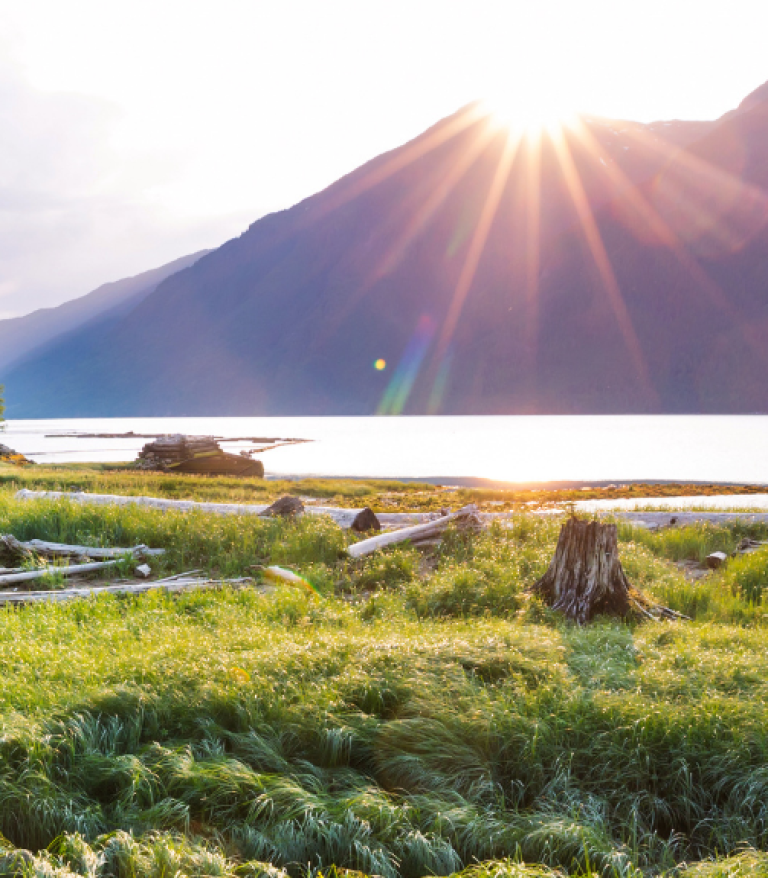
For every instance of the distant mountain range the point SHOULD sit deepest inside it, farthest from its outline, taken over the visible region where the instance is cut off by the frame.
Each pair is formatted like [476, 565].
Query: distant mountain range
[22, 338]
[617, 268]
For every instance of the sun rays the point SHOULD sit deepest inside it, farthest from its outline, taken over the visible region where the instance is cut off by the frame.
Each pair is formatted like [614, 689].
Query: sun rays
[688, 207]
[476, 246]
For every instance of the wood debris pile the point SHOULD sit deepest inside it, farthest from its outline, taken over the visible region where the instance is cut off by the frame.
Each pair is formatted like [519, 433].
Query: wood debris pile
[39, 558]
[195, 454]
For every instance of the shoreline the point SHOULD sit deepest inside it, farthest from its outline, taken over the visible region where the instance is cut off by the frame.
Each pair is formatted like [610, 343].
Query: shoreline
[472, 452]
[500, 485]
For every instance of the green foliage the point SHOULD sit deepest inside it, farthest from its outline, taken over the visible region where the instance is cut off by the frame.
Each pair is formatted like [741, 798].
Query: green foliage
[693, 542]
[426, 716]
[123, 479]
[747, 576]
[385, 570]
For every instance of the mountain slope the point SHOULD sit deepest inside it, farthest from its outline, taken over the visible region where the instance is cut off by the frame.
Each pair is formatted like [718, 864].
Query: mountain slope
[620, 268]
[21, 336]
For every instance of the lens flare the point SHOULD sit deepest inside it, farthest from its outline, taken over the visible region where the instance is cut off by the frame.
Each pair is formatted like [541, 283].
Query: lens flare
[440, 386]
[400, 385]
[380, 365]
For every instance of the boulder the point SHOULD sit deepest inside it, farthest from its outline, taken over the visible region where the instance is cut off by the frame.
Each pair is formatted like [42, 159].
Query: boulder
[285, 506]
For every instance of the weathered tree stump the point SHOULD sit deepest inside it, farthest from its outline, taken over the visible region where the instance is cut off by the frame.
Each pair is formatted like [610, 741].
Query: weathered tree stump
[586, 579]
[366, 520]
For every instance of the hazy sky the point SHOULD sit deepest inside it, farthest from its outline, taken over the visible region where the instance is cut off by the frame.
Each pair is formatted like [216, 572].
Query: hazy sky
[134, 132]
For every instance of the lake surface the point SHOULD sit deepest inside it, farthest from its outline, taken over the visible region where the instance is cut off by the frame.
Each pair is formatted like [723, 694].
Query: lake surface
[517, 449]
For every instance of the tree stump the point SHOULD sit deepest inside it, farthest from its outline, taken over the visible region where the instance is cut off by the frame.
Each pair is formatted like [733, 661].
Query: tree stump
[366, 520]
[586, 579]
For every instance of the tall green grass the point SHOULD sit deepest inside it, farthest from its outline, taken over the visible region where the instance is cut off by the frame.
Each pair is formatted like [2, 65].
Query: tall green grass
[425, 717]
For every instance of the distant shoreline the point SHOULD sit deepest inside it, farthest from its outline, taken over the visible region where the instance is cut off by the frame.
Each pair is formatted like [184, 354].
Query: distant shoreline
[497, 484]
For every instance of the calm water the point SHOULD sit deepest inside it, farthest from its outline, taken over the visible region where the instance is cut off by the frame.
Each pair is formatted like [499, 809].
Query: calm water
[521, 449]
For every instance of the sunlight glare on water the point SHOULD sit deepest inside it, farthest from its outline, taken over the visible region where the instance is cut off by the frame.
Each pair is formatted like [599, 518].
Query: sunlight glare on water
[516, 449]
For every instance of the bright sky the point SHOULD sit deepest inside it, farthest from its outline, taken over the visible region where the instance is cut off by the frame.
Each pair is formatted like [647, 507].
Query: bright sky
[132, 133]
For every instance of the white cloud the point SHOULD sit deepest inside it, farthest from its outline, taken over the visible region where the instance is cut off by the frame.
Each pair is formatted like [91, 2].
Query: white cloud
[73, 211]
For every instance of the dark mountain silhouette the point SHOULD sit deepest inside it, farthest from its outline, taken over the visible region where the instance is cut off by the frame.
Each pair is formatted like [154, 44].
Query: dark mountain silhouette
[619, 268]
[22, 336]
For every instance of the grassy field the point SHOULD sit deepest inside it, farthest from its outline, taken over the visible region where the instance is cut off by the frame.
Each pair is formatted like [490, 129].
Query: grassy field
[424, 717]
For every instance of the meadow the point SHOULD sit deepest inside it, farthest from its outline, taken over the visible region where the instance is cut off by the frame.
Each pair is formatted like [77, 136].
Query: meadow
[425, 716]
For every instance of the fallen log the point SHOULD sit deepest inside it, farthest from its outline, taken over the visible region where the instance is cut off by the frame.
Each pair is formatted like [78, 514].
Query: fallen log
[71, 570]
[68, 594]
[56, 550]
[11, 548]
[342, 517]
[466, 519]
[186, 574]
[345, 516]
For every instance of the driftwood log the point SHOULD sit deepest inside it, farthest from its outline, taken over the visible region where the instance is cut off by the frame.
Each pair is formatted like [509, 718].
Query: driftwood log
[172, 584]
[586, 579]
[72, 570]
[344, 517]
[420, 534]
[58, 550]
[11, 547]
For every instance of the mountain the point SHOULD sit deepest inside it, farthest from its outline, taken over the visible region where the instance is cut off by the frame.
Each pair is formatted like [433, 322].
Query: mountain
[614, 268]
[21, 337]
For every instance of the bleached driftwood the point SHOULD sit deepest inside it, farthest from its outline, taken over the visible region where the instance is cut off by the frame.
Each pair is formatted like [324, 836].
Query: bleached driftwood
[68, 594]
[185, 575]
[466, 517]
[71, 570]
[344, 517]
[41, 547]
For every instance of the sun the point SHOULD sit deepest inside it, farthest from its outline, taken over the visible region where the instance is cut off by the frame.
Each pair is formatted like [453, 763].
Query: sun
[529, 113]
